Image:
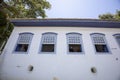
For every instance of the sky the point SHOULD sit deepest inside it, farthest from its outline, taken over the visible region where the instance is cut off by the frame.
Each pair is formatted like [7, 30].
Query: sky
[81, 8]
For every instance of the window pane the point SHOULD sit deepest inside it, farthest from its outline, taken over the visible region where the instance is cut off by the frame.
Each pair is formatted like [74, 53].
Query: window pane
[21, 48]
[47, 48]
[48, 42]
[75, 48]
[101, 48]
[23, 42]
[74, 41]
[99, 41]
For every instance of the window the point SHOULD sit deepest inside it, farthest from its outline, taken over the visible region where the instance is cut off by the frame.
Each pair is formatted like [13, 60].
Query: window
[99, 43]
[23, 42]
[74, 41]
[48, 42]
[117, 37]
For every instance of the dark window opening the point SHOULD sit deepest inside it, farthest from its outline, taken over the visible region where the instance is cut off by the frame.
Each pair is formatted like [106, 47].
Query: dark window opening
[47, 48]
[75, 48]
[21, 48]
[101, 48]
[118, 40]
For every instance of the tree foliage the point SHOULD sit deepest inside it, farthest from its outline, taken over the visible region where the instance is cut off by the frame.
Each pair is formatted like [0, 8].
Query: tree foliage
[109, 16]
[29, 8]
[19, 9]
[5, 29]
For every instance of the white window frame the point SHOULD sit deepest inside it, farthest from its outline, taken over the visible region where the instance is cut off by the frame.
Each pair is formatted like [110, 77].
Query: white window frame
[77, 41]
[46, 37]
[22, 40]
[99, 41]
[115, 35]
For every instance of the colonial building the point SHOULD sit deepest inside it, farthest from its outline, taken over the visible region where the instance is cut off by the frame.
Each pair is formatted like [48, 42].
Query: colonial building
[62, 49]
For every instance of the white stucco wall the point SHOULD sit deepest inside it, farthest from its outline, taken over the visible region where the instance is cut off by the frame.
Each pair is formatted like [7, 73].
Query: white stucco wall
[61, 66]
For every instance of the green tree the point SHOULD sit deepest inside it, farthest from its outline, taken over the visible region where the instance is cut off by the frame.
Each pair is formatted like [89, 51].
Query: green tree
[109, 16]
[19, 9]
[5, 29]
[29, 8]
[5, 25]
[117, 15]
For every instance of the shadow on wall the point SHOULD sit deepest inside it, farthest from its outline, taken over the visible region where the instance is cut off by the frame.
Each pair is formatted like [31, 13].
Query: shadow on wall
[119, 77]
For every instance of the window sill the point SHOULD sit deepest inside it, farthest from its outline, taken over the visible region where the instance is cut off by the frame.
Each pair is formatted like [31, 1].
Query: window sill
[47, 53]
[20, 52]
[102, 53]
[76, 53]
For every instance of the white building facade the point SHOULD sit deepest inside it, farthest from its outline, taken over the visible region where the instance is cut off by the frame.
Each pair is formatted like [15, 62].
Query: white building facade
[62, 49]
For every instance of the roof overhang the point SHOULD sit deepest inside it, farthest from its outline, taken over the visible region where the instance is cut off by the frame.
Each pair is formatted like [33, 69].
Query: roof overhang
[66, 23]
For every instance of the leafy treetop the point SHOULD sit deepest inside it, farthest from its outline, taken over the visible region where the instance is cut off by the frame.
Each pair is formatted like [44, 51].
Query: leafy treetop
[109, 16]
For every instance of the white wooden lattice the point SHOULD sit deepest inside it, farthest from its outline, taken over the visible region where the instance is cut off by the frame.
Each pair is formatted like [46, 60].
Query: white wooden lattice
[74, 38]
[98, 39]
[49, 38]
[25, 38]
